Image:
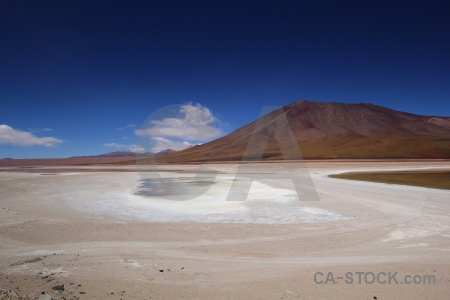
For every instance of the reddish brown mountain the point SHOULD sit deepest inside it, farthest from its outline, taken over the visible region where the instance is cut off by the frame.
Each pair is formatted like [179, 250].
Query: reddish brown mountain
[330, 130]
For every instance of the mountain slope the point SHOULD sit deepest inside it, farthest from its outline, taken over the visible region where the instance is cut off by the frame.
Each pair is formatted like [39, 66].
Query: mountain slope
[329, 130]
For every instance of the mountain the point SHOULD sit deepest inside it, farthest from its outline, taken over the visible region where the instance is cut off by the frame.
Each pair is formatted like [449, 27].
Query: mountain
[328, 130]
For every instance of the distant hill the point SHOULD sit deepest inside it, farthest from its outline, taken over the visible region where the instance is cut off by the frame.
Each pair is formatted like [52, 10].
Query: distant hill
[129, 154]
[117, 157]
[164, 152]
[328, 131]
[116, 154]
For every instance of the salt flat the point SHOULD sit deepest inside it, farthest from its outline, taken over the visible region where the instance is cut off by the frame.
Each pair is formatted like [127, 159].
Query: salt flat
[138, 233]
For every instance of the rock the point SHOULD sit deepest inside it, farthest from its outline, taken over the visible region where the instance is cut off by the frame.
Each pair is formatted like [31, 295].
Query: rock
[59, 287]
[161, 270]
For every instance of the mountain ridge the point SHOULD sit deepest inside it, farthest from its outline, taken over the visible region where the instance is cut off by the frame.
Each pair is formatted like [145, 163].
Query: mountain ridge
[332, 130]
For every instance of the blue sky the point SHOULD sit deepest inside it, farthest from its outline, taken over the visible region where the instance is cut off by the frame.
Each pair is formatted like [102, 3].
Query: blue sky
[87, 74]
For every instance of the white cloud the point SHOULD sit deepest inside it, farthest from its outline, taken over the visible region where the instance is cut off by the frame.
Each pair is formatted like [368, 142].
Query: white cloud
[136, 148]
[161, 144]
[9, 135]
[197, 114]
[119, 146]
[131, 148]
[195, 124]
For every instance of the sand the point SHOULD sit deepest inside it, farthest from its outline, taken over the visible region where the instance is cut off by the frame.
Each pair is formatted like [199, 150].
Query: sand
[102, 236]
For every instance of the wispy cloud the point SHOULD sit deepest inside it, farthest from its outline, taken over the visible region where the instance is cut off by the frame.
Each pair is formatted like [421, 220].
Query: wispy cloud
[9, 135]
[132, 148]
[195, 124]
[129, 126]
[32, 130]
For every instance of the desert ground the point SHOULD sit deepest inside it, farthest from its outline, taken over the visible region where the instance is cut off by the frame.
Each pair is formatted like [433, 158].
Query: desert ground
[172, 232]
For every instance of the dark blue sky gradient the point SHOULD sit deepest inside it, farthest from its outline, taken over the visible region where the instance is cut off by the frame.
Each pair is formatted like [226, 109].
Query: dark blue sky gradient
[86, 68]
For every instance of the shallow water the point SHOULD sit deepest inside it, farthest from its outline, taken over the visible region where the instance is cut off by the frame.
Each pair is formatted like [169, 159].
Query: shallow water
[176, 189]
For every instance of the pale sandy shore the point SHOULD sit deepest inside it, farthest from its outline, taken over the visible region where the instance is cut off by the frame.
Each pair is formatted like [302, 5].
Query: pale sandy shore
[98, 234]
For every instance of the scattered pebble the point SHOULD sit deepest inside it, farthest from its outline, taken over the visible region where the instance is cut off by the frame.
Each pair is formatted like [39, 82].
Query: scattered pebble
[59, 287]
